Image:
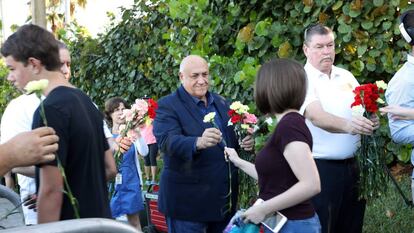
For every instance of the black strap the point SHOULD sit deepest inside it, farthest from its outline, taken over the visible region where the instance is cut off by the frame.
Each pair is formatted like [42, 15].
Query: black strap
[407, 202]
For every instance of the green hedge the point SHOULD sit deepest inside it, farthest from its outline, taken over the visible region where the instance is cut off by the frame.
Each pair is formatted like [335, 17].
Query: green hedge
[140, 55]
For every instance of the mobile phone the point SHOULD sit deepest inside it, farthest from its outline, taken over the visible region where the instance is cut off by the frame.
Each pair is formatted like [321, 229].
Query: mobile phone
[274, 222]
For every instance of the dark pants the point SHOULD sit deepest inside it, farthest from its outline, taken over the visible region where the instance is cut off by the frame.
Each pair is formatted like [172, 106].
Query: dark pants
[337, 204]
[181, 226]
[151, 158]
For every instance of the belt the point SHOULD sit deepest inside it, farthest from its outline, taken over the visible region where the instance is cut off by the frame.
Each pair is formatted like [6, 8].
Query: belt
[339, 161]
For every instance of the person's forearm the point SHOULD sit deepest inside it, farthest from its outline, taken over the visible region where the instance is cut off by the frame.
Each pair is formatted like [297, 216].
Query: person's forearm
[330, 122]
[49, 204]
[26, 171]
[6, 159]
[246, 167]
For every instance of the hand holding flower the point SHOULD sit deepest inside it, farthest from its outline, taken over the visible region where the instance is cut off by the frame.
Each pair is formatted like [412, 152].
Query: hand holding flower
[231, 155]
[209, 138]
[360, 125]
[375, 120]
[123, 143]
[247, 143]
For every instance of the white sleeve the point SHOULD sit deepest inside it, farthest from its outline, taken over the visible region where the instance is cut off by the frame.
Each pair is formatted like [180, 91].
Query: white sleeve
[107, 132]
[141, 146]
[311, 95]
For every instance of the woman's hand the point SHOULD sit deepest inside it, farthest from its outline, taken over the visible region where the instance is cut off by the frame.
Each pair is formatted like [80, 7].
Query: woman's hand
[254, 214]
[231, 154]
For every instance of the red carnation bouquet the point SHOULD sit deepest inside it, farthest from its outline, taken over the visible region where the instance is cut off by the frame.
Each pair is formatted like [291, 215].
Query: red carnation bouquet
[370, 157]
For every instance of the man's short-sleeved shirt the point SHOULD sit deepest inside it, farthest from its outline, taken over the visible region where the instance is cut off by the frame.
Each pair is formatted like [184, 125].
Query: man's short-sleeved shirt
[336, 96]
[82, 146]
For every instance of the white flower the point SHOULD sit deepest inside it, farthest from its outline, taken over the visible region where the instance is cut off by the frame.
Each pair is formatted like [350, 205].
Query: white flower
[269, 121]
[239, 107]
[244, 126]
[229, 123]
[209, 117]
[235, 105]
[358, 110]
[381, 84]
[36, 86]
[380, 101]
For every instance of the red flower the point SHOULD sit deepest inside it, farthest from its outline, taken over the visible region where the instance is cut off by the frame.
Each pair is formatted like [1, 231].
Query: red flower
[152, 106]
[367, 96]
[235, 118]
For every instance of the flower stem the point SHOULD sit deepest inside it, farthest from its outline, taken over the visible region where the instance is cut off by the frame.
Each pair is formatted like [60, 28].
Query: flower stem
[72, 199]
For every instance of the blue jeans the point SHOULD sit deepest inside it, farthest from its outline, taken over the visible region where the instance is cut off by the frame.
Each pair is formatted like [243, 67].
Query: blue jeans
[182, 226]
[309, 225]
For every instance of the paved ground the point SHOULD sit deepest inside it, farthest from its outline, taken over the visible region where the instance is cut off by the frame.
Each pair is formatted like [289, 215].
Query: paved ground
[13, 220]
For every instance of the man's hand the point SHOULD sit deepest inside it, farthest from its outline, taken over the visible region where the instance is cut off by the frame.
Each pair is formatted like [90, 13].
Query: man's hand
[33, 147]
[360, 125]
[123, 143]
[247, 143]
[210, 137]
[398, 113]
[375, 120]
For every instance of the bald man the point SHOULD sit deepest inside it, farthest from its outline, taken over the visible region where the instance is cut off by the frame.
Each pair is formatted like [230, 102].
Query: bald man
[195, 179]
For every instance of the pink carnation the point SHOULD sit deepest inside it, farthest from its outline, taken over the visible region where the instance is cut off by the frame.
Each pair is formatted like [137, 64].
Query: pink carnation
[140, 106]
[249, 118]
[127, 114]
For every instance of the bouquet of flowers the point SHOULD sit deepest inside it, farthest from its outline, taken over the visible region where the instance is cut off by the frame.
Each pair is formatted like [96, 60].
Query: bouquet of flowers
[141, 112]
[370, 156]
[244, 123]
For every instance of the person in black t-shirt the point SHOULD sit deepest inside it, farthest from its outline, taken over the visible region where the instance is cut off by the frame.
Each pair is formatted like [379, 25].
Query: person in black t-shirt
[32, 53]
[286, 172]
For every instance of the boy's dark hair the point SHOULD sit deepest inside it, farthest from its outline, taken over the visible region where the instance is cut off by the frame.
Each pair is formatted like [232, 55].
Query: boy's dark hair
[33, 41]
[280, 85]
[315, 29]
[112, 104]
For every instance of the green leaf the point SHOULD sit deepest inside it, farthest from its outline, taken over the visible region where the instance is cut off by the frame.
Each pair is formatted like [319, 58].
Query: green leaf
[262, 28]
[378, 3]
[354, 14]
[344, 28]
[362, 49]
[239, 77]
[386, 25]
[367, 24]
[337, 5]
[132, 74]
[307, 9]
[358, 65]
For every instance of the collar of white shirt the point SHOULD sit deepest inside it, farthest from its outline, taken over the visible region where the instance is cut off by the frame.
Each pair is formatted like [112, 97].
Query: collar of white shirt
[312, 71]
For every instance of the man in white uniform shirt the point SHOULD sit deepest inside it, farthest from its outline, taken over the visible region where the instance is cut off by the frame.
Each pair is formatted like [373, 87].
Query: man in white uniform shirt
[18, 118]
[335, 132]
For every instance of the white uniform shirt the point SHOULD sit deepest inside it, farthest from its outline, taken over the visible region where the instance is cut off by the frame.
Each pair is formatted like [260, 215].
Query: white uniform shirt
[17, 118]
[336, 96]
